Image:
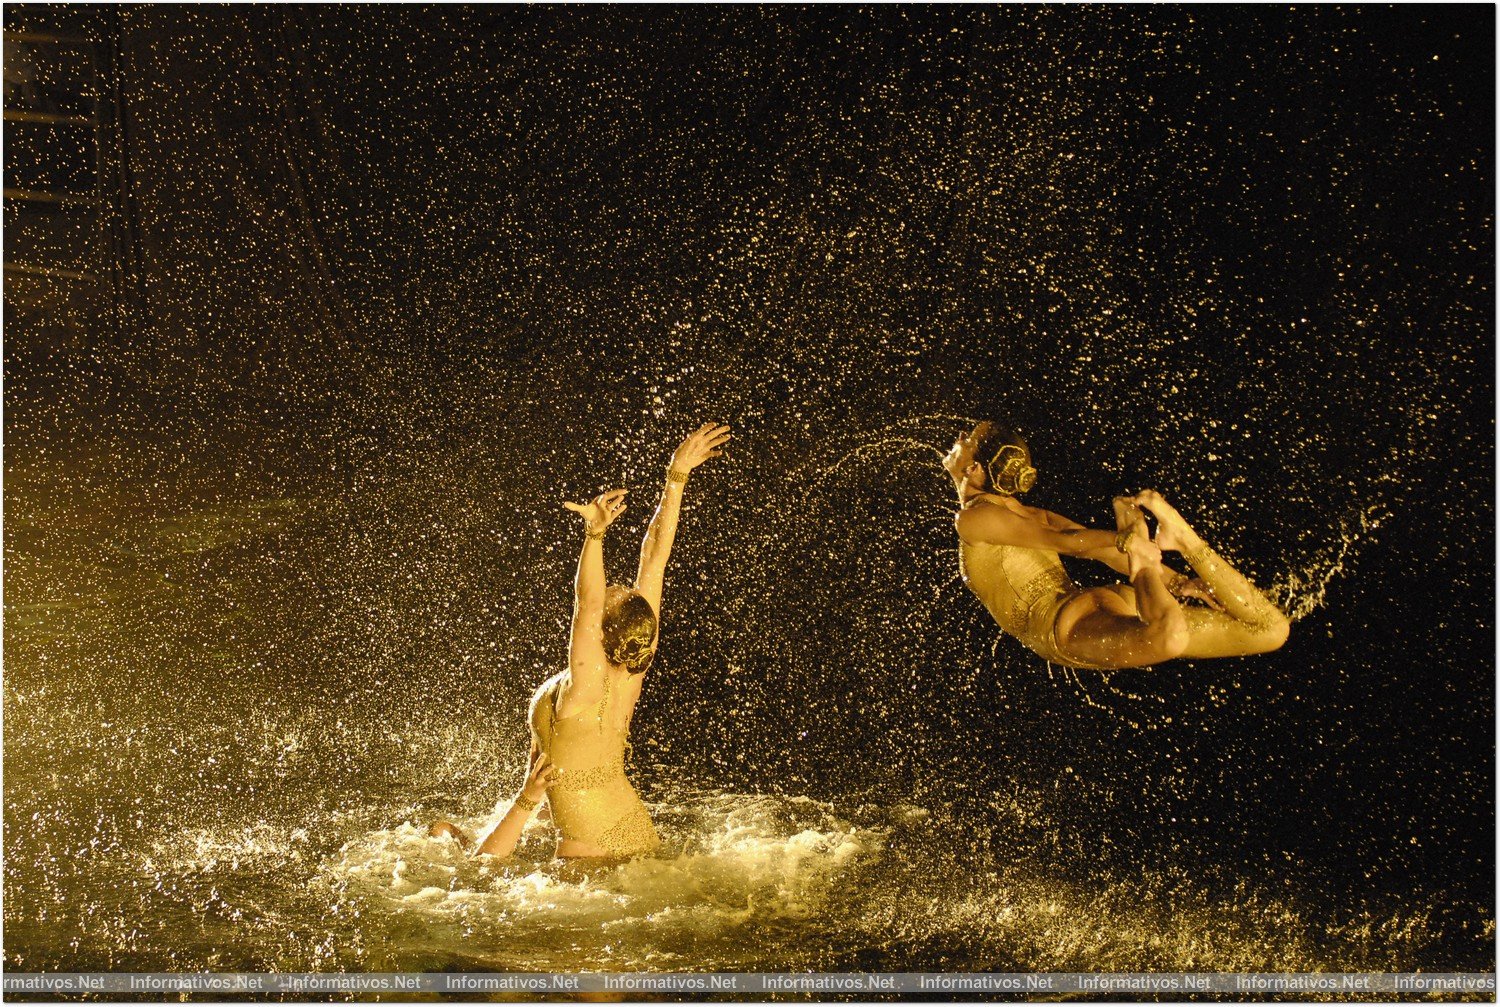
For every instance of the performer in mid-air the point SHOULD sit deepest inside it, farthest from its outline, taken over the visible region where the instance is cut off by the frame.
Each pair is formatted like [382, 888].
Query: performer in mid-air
[580, 717]
[1009, 555]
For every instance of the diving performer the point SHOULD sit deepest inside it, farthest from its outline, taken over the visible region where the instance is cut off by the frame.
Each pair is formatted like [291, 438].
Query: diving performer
[580, 717]
[1009, 557]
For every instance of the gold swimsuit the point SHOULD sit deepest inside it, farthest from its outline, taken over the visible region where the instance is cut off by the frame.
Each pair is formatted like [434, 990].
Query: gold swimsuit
[592, 801]
[1024, 589]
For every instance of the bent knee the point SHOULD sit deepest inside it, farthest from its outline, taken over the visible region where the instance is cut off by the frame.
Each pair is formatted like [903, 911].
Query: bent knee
[1105, 640]
[1175, 642]
[1274, 636]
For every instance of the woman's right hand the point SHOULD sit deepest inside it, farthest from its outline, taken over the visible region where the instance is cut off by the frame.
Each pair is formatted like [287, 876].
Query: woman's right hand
[702, 444]
[1185, 586]
[600, 512]
[539, 776]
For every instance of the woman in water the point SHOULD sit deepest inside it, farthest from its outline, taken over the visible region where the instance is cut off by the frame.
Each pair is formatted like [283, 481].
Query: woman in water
[1009, 556]
[580, 717]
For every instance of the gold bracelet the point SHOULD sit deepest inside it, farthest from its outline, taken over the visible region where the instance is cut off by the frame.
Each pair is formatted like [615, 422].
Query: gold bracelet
[524, 803]
[1199, 556]
[590, 533]
[676, 475]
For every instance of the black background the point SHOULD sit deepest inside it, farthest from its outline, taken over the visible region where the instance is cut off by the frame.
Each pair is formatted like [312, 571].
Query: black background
[441, 267]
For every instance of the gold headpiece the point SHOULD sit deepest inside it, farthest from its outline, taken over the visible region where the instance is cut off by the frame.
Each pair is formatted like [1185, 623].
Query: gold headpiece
[1010, 469]
[634, 650]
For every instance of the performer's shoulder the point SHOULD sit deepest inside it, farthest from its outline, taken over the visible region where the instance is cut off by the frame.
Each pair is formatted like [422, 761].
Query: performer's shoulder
[989, 503]
[547, 689]
[985, 520]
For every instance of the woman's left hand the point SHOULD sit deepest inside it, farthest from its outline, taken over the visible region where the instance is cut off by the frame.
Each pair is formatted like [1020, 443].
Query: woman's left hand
[600, 512]
[702, 444]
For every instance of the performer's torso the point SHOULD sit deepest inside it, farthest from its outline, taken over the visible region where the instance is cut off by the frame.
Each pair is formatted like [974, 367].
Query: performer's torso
[593, 804]
[1021, 588]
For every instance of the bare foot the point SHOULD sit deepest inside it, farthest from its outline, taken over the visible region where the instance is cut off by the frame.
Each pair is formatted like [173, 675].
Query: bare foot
[1133, 538]
[1173, 533]
[1130, 523]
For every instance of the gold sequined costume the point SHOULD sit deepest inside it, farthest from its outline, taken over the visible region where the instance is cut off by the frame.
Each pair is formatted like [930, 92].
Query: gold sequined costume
[1024, 589]
[592, 801]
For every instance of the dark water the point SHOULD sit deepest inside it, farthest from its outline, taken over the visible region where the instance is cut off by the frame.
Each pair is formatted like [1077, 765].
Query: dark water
[282, 566]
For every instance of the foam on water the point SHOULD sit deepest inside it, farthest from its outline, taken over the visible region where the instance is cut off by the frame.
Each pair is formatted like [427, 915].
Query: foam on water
[730, 862]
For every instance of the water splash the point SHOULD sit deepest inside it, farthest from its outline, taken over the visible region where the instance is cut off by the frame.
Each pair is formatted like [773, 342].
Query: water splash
[735, 861]
[1098, 690]
[203, 851]
[1301, 592]
[941, 424]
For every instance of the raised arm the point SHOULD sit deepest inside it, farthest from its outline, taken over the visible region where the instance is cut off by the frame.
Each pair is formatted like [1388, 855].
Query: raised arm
[704, 443]
[586, 659]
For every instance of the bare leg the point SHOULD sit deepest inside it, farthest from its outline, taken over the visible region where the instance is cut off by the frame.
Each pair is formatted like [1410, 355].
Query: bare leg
[1100, 628]
[1250, 622]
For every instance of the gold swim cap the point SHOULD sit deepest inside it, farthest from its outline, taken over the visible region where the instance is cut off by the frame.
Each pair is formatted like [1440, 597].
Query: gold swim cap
[1010, 468]
[629, 626]
[634, 650]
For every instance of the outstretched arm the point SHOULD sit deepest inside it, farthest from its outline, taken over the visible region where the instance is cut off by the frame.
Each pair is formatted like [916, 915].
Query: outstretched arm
[1109, 555]
[991, 522]
[1003, 526]
[1052, 520]
[586, 658]
[704, 443]
[507, 832]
